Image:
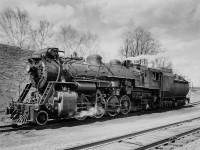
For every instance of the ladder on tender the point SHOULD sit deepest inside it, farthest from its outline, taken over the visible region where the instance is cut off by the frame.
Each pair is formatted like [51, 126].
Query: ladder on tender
[46, 93]
[25, 92]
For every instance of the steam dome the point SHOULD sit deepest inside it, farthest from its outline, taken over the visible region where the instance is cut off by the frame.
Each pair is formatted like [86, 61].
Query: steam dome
[94, 59]
[115, 62]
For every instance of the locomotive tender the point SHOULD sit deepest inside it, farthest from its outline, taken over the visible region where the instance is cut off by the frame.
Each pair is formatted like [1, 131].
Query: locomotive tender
[71, 87]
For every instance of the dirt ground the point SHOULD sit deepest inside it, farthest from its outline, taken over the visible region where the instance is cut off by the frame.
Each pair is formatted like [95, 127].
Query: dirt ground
[69, 134]
[195, 145]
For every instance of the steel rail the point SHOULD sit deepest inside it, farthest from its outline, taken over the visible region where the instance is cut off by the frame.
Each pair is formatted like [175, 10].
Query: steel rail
[167, 140]
[119, 138]
[9, 128]
[4, 126]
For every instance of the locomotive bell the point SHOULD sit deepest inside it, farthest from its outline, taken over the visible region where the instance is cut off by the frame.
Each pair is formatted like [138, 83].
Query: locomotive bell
[94, 59]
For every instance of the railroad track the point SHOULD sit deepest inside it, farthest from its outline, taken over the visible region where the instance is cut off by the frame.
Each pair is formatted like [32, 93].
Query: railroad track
[155, 138]
[192, 104]
[70, 122]
[9, 128]
[174, 142]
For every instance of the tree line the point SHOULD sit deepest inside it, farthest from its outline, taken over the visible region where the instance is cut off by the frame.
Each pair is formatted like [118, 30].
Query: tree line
[140, 41]
[16, 29]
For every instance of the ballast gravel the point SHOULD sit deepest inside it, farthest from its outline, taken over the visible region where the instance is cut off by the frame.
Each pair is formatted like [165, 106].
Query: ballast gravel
[195, 145]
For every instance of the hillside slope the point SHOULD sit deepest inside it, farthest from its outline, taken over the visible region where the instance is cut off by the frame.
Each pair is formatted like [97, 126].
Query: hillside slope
[13, 62]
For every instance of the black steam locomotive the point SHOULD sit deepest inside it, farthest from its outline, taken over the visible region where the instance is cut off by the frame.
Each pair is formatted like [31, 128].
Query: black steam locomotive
[74, 88]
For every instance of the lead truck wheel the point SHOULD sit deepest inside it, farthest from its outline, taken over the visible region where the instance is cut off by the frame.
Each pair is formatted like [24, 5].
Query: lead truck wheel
[42, 118]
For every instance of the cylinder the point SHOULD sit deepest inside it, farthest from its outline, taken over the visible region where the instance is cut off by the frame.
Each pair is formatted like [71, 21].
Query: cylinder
[67, 102]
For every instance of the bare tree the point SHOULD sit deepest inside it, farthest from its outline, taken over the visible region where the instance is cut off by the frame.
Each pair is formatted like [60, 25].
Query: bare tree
[67, 38]
[72, 40]
[88, 44]
[162, 62]
[138, 41]
[41, 35]
[15, 27]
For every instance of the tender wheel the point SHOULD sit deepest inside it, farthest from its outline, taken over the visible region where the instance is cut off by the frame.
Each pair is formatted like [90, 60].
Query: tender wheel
[113, 106]
[42, 118]
[100, 105]
[125, 104]
[82, 108]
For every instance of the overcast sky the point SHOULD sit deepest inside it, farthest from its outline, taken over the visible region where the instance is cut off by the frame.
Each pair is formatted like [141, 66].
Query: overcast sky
[176, 23]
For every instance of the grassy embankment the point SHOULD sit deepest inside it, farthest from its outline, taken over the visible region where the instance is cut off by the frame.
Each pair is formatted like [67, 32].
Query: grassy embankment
[13, 62]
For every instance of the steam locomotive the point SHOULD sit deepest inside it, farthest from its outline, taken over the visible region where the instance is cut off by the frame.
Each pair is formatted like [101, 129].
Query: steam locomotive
[75, 88]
